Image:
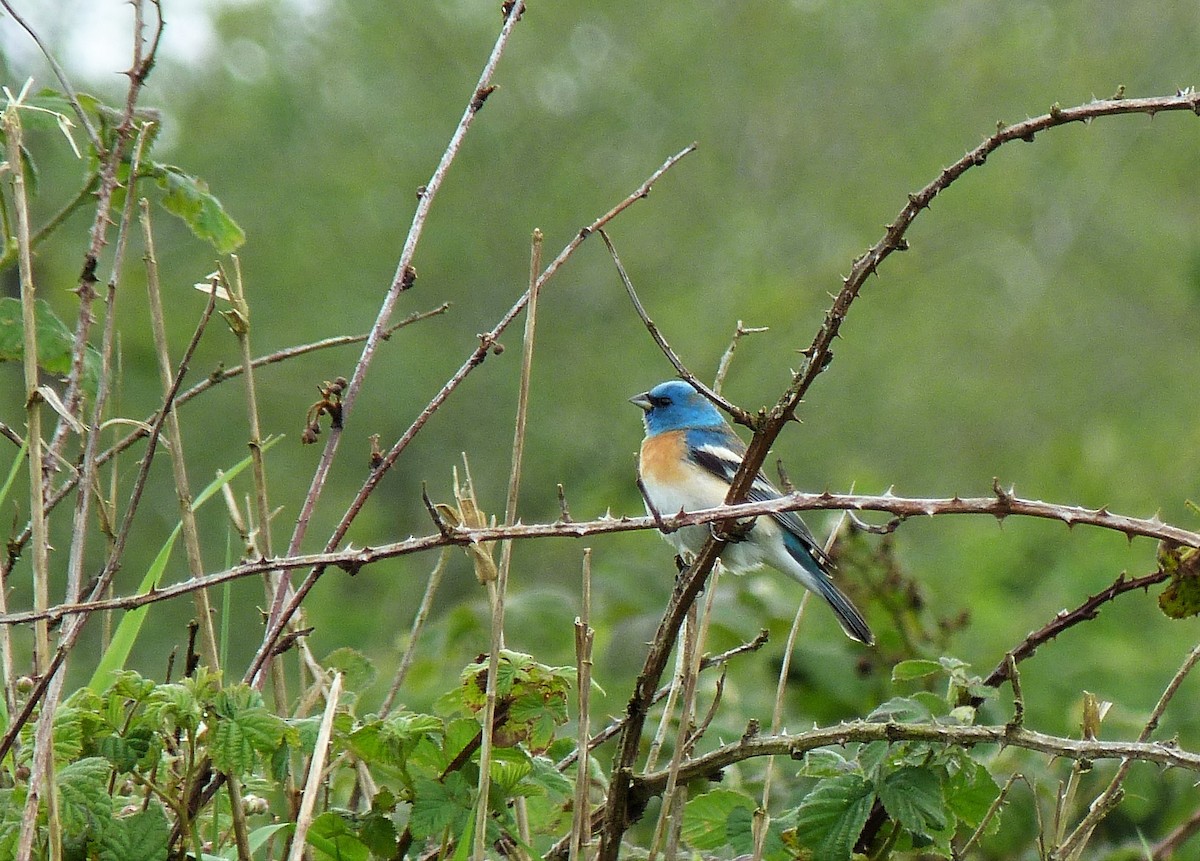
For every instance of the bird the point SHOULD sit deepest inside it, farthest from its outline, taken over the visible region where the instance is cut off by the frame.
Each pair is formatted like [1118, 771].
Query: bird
[688, 458]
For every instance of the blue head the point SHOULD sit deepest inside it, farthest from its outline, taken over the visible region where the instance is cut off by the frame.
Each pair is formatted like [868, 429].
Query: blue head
[674, 405]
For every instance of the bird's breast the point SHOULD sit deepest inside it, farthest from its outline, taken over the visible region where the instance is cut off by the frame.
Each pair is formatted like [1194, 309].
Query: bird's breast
[673, 481]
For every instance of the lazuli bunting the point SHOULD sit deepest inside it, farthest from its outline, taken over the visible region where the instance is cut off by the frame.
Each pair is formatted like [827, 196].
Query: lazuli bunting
[687, 461]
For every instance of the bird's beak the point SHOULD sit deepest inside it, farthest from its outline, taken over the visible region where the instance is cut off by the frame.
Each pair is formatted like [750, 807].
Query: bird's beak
[642, 400]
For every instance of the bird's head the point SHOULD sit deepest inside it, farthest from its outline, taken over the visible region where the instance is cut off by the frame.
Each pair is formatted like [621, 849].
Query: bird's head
[674, 405]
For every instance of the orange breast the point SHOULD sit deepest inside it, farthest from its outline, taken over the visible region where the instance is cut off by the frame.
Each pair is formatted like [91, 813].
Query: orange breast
[662, 458]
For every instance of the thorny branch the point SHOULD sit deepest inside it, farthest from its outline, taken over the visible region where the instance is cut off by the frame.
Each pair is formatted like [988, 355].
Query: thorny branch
[352, 559]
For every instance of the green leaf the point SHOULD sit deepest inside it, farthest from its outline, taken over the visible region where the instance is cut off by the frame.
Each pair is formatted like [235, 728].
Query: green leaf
[440, 805]
[85, 806]
[510, 766]
[55, 341]
[259, 836]
[706, 817]
[140, 837]
[244, 727]
[913, 797]
[970, 792]
[188, 198]
[916, 669]
[332, 837]
[357, 670]
[174, 706]
[126, 751]
[832, 816]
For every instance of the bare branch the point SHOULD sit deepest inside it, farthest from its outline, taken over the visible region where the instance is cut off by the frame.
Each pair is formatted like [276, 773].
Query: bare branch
[739, 415]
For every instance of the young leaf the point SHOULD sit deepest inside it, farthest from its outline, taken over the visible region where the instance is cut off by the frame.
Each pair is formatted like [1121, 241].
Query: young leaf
[189, 198]
[832, 816]
[244, 727]
[913, 797]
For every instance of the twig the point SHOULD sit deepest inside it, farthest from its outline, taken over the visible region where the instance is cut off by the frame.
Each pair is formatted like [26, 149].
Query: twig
[581, 817]
[313, 785]
[992, 810]
[723, 366]
[183, 491]
[501, 586]
[42, 781]
[674, 793]
[110, 162]
[1165, 849]
[739, 415]
[402, 280]
[462, 536]
[486, 341]
[1089, 609]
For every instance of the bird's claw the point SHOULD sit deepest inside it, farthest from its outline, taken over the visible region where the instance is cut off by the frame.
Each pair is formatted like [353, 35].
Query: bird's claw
[738, 532]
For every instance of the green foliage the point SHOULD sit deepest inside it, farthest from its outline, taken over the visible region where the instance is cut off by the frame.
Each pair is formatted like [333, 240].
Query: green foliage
[188, 198]
[54, 341]
[532, 697]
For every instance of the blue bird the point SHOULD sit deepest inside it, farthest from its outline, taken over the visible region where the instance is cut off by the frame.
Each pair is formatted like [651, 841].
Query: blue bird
[687, 461]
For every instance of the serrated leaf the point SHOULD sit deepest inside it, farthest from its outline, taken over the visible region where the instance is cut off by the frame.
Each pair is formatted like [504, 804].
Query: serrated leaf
[438, 805]
[706, 817]
[243, 729]
[140, 837]
[970, 792]
[915, 669]
[553, 782]
[85, 805]
[510, 766]
[913, 797]
[188, 198]
[333, 838]
[832, 816]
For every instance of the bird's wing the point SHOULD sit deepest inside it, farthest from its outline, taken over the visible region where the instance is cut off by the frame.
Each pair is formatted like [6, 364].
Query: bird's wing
[720, 453]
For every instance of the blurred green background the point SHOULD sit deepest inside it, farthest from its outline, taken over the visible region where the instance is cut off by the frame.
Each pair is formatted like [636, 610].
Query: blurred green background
[1043, 329]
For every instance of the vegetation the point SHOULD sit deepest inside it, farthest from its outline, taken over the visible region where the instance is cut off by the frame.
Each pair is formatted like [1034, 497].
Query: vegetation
[210, 653]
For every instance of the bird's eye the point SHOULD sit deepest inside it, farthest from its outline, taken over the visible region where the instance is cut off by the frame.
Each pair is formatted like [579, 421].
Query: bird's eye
[660, 401]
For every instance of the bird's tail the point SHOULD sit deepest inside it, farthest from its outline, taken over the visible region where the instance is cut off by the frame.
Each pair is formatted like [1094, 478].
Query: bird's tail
[811, 571]
[848, 617]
